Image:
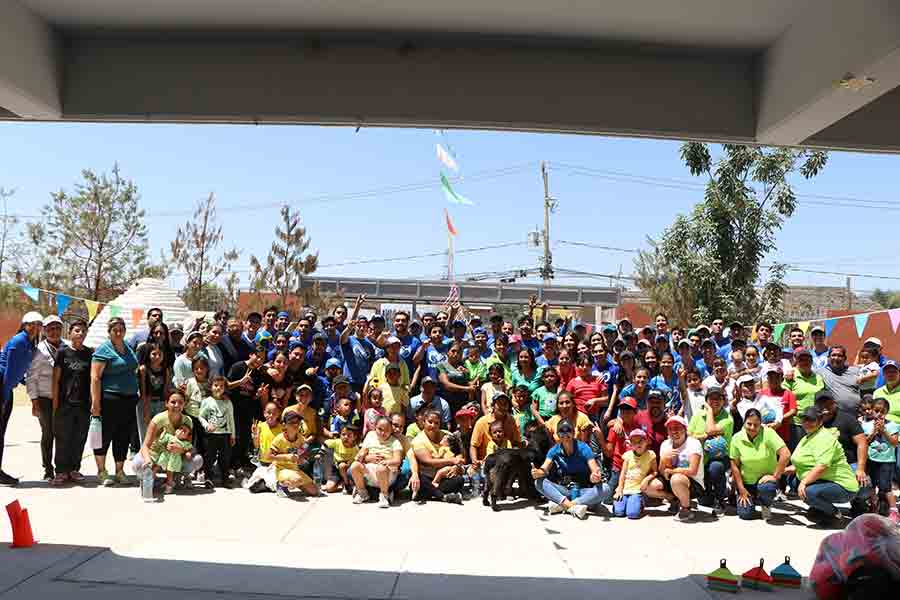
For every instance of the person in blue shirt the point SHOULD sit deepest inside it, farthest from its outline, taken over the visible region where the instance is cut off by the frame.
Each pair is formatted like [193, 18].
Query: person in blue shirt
[717, 333]
[604, 369]
[281, 343]
[708, 349]
[433, 351]
[819, 348]
[332, 337]
[667, 381]
[409, 343]
[15, 360]
[526, 335]
[873, 345]
[570, 477]
[550, 356]
[479, 334]
[496, 322]
[358, 351]
[427, 321]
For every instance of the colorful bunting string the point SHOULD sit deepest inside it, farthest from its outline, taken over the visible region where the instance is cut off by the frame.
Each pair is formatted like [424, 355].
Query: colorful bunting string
[62, 303]
[92, 306]
[894, 315]
[776, 333]
[446, 158]
[31, 292]
[860, 321]
[451, 194]
[829, 326]
[114, 310]
[804, 326]
[136, 314]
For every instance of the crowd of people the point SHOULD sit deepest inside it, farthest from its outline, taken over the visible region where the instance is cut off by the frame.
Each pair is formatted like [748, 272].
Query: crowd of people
[298, 404]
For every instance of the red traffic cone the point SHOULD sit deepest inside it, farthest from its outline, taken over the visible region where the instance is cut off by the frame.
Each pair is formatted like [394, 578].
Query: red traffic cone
[21, 525]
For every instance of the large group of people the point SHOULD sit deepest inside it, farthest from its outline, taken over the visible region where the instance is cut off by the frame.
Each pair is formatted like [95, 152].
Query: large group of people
[303, 404]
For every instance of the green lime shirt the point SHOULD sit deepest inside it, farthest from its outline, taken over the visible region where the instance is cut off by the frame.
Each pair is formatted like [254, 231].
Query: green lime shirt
[697, 426]
[823, 448]
[893, 398]
[805, 390]
[546, 401]
[757, 457]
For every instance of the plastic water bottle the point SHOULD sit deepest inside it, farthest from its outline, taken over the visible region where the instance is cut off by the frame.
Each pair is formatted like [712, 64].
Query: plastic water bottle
[317, 470]
[476, 484]
[574, 491]
[147, 484]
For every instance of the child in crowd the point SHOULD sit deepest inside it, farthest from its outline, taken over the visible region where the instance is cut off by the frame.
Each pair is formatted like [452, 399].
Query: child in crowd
[882, 437]
[868, 371]
[394, 396]
[785, 398]
[419, 424]
[377, 463]
[265, 431]
[737, 367]
[172, 462]
[751, 358]
[617, 437]
[498, 438]
[374, 410]
[444, 451]
[565, 368]
[521, 408]
[544, 398]
[588, 391]
[475, 365]
[692, 394]
[196, 389]
[638, 470]
[343, 451]
[287, 452]
[217, 418]
[344, 415]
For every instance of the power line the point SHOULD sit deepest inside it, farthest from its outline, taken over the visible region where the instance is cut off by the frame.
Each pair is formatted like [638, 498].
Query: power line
[598, 247]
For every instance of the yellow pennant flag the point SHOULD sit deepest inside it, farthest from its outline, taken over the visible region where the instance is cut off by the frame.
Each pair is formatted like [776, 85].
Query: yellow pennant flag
[92, 306]
[804, 326]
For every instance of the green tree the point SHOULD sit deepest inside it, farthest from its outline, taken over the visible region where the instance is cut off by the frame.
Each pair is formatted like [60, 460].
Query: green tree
[886, 298]
[287, 263]
[717, 250]
[195, 250]
[94, 241]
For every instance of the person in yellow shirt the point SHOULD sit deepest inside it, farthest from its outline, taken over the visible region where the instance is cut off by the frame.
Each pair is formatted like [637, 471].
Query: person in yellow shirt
[287, 451]
[498, 438]
[395, 397]
[391, 356]
[638, 470]
[343, 451]
[309, 420]
[266, 431]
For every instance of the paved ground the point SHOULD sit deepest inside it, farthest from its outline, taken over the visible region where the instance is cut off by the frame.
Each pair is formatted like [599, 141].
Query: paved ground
[99, 542]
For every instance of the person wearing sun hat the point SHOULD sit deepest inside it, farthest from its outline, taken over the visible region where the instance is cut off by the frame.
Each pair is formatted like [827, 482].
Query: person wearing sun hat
[680, 476]
[15, 360]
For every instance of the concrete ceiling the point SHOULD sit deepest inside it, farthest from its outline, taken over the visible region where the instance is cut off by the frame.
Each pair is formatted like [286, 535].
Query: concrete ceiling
[766, 71]
[746, 26]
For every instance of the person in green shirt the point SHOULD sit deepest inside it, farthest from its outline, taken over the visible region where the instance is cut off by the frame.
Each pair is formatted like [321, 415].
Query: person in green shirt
[526, 370]
[758, 459]
[805, 383]
[713, 426]
[825, 477]
[476, 367]
[544, 397]
[890, 391]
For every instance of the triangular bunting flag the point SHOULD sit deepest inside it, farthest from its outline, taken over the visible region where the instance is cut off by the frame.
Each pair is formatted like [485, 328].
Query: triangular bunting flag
[114, 311]
[753, 334]
[450, 228]
[62, 303]
[860, 321]
[804, 326]
[136, 314]
[894, 314]
[776, 334]
[451, 195]
[31, 292]
[92, 306]
[829, 326]
[446, 158]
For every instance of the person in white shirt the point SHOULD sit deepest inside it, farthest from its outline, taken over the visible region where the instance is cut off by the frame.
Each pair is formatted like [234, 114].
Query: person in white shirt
[748, 398]
[39, 384]
[680, 470]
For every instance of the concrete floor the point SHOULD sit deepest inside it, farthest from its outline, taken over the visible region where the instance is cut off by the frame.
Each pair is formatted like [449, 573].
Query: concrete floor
[95, 542]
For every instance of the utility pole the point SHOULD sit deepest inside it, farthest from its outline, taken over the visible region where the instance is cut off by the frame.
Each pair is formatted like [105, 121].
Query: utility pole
[849, 295]
[549, 205]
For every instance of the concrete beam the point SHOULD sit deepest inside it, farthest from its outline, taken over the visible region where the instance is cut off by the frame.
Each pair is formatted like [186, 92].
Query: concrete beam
[30, 72]
[536, 89]
[797, 96]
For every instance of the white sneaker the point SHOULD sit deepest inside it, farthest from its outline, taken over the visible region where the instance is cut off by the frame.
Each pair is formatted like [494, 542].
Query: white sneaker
[383, 501]
[579, 511]
[766, 513]
[201, 478]
[555, 509]
[360, 498]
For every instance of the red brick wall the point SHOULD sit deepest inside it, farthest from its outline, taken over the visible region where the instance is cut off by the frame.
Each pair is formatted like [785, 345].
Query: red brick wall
[879, 325]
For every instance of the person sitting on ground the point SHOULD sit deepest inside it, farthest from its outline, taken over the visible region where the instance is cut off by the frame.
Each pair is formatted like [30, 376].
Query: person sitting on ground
[377, 463]
[444, 451]
[481, 437]
[825, 477]
[713, 427]
[173, 462]
[287, 451]
[758, 459]
[166, 422]
[617, 438]
[565, 410]
[431, 458]
[498, 439]
[265, 431]
[344, 415]
[681, 470]
[343, 451]
[639, 468]
[570, 477]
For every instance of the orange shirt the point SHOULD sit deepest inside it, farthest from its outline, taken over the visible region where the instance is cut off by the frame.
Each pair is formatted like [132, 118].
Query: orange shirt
[481, 434]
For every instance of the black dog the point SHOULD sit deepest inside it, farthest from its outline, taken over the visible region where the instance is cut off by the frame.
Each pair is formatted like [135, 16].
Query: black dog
[508, 465]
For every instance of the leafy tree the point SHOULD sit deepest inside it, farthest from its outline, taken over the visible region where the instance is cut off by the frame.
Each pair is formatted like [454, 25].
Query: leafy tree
[717, 250]
[194, 249]
[94, 241]
[886, 298]
[287, 263]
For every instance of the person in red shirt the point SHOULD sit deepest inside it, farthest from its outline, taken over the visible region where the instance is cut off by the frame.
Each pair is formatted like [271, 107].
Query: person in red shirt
[566, 369]
[775, 377]
[617, 438]
[653, 420]
[588, 391]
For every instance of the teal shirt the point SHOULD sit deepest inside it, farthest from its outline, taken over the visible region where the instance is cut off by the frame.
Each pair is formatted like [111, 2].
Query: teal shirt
[120, 372]
[880, 450]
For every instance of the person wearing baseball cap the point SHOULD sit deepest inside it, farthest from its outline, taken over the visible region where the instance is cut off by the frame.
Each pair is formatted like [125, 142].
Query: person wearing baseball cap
[39, 385]
[391, 356]
[429, 397]
[713, 426]
[616, 437]
[681, 472]
[825, 477]
[638, 470]
[15, 360]
[576, 470]
[819, 347]
[805, 384]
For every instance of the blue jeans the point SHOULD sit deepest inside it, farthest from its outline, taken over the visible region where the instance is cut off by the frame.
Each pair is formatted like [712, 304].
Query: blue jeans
[403, 477]
[613, 483]
[715, 479]
[557, 493]
[823, 495]
[631, 506]
[762, 494]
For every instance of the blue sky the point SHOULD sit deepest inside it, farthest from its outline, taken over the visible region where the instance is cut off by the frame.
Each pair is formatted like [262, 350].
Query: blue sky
[317, 169]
